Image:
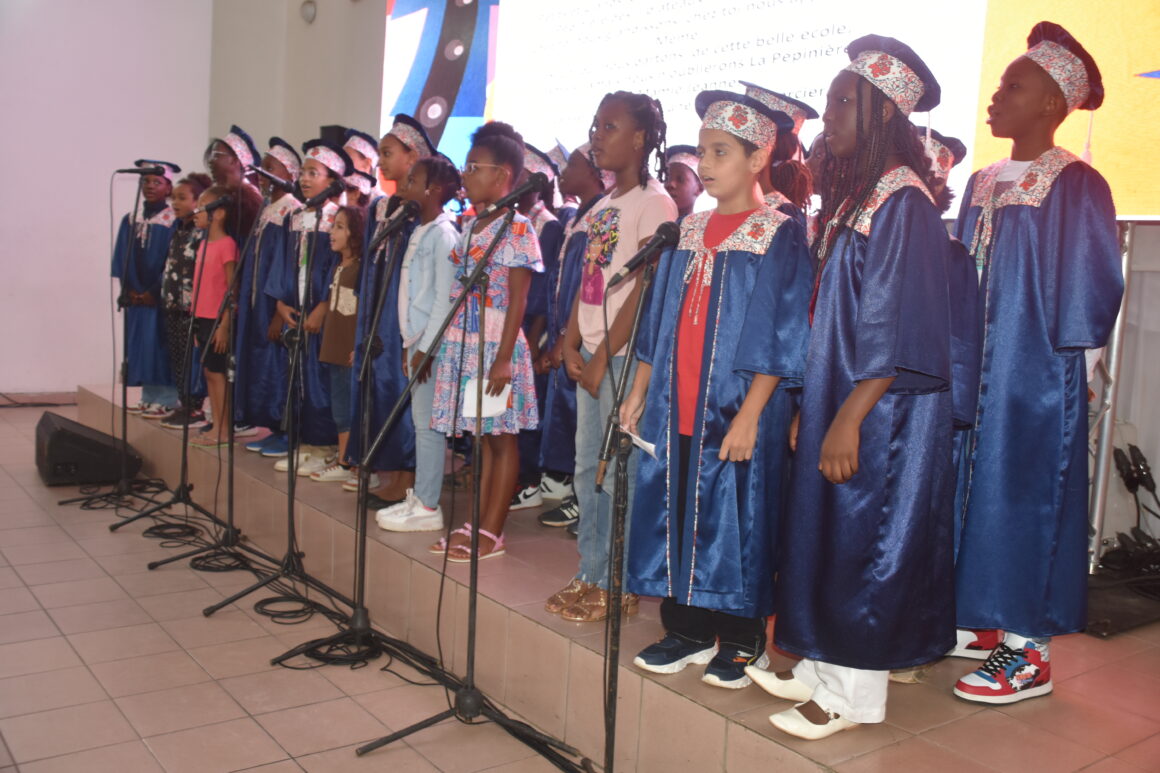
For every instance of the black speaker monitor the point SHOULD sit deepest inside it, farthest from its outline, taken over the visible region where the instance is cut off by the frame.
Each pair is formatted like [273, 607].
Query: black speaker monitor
[70, 454]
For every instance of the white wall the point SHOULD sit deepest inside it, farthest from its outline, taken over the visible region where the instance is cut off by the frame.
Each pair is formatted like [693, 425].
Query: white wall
[274, 74]
[88, 87]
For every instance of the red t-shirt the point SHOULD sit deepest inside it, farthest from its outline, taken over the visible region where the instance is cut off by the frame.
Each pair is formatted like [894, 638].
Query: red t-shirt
[209, 275]
[691, 327]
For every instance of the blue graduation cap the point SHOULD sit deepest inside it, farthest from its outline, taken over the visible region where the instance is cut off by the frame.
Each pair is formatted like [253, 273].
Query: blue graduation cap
[536, 160]
[1068, 64]
[742, 116]
[243, 146]
[412, 134]
[169, 170]
[798, 111]
[362, 143]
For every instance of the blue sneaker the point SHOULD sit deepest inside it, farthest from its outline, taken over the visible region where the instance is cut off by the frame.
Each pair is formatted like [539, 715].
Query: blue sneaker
[727, 669]
[672, 653]
[276, 447]
[257, 445]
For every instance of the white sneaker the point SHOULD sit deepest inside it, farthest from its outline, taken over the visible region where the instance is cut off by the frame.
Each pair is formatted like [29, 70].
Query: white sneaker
[399, 508]
[553, 489]
[304, 455]
[331, 474]
[527, 498]
[245, 430]
[317, 463]
[415, 517]
[351, 482]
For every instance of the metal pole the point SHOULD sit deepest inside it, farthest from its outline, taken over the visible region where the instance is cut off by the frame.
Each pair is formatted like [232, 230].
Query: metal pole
[1102, 473]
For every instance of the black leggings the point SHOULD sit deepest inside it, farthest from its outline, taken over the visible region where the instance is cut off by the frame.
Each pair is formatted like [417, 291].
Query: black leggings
[697, 623]
[176, 338]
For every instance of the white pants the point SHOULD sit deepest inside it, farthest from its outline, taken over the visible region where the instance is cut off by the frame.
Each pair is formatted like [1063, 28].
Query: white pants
[851, 693]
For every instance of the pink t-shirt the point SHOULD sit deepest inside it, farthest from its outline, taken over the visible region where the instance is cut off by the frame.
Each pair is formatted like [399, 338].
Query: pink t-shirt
[209, 275]
[616, 227]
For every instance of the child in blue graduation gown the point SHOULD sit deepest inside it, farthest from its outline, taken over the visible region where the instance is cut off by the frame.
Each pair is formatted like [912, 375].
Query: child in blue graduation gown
[866, 566]
[306, 238]
[260, 386]
[582, 179]
[405, 143]
[725, 333]
[138, 264]
[1041, 227]
[786, 182]
[550, 233]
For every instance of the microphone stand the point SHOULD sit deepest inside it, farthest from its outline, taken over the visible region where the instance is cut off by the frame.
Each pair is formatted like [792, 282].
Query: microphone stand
[617, 441]
[290, 567]
[228, 541]
[470, 703]
[357, 640]
[125, 486]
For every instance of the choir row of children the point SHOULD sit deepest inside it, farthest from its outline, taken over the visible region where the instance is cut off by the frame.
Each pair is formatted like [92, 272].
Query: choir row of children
[864, 426]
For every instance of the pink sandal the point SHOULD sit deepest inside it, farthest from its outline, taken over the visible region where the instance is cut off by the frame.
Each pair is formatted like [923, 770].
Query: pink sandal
[497, 547]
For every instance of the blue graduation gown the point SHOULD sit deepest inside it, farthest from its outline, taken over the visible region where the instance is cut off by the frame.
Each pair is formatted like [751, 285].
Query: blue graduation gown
[550, 233]
[298, 238]
[397, 451]
[778, 201]
[260, 383]
[558, 423]
[1051, 287]
[141, 258]
[866, 568]
[756, 321]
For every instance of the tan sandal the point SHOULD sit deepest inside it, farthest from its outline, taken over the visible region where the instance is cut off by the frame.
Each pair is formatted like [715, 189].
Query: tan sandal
[593, 607]
[568, 596]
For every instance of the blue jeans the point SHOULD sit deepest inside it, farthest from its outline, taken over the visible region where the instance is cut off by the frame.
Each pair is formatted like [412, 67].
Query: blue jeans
[340, 395]
[430, 446]
[161, 394]
[595, 527]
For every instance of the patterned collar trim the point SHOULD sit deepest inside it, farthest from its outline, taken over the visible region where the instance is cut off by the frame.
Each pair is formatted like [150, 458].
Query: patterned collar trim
[303, 219]
[775, 199]
[165, 217]
[890, 183]
[1029, 190]
[754, 235]
[276, 211]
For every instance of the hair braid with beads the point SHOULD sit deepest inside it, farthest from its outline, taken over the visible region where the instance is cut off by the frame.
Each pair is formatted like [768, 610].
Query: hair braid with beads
[649, 117]
[848, 182]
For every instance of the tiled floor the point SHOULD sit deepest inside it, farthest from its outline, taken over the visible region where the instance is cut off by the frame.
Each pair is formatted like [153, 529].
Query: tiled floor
[105, 666]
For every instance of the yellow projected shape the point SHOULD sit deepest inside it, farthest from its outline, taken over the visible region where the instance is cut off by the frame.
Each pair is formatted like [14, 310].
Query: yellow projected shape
[1124, 39]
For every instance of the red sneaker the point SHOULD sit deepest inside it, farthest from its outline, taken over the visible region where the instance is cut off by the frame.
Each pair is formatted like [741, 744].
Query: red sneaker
[976, 644]
[1009, 675]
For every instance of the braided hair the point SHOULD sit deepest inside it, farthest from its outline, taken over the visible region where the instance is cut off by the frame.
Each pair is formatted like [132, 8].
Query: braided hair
[789, 177]
[848, 182]
[649, 117]
[442, 175]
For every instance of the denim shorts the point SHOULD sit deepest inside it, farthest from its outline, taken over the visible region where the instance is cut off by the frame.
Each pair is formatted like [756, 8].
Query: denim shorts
[340, 395]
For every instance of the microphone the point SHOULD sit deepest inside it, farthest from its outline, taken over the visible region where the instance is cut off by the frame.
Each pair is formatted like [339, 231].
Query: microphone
[274, 180]
[537, 181]
[143, 170]
[667, 235]
[335, 188]
[406, 212]
[218, 203]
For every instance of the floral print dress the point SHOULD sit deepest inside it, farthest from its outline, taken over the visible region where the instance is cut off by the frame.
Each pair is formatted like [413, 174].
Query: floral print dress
[458, 359]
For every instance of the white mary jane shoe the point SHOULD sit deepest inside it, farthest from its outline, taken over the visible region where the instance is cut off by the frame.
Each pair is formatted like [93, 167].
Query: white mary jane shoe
[792, 722]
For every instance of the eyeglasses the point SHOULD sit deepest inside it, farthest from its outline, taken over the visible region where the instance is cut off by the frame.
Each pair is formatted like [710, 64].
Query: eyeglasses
[473, 167]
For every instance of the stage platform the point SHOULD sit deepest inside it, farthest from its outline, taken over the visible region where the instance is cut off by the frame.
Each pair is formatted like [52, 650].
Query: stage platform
[548, 671]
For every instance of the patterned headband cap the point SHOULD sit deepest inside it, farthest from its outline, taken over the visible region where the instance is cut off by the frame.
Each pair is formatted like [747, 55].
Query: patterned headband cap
[688, 159]
[328, 158]
[1065, 68]
[410, 136]
[241, 149]
[942, 160]
[774, 102]
[891, 76]
[288, 159]
[534, 162]
[741, 121]
[361, 146]
[360, 181]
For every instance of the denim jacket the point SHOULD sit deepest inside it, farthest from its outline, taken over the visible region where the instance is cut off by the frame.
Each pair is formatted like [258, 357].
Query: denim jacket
[427, 278]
